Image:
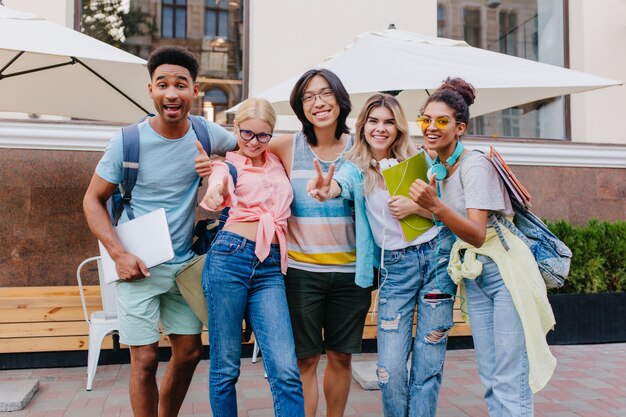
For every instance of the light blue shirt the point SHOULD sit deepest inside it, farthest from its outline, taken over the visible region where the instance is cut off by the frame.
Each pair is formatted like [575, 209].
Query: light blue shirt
[166, 178]
[350, 178]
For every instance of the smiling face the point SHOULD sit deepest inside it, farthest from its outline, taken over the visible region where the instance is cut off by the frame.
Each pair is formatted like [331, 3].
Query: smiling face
[172, 91]
[441, 140]
[322, 110]
[380, 131]
[252, 149]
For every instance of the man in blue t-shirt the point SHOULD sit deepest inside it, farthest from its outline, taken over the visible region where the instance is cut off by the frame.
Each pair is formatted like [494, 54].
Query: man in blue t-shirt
[166, 179]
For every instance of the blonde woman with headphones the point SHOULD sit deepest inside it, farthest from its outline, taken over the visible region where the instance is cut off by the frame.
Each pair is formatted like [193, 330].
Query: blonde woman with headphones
[411, 273]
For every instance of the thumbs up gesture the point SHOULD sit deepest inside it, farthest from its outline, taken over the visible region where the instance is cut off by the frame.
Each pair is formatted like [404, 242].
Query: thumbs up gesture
[202, 161]
[425, 194]
[214, 197]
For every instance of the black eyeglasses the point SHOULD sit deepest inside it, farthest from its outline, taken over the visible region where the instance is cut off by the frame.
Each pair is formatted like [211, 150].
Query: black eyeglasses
[262, 137]
[326, 95]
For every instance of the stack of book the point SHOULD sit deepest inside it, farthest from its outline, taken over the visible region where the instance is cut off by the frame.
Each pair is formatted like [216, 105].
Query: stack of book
[516, 189]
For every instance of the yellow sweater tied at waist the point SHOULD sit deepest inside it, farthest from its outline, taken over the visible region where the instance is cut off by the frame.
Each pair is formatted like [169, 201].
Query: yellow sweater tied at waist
[522, 278]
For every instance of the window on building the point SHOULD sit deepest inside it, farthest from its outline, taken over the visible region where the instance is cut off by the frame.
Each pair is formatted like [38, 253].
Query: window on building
[216, 18]
[530, 29]
[441, 21]
[472, 30]
[509, 33]
[216, 99]
[174, 18]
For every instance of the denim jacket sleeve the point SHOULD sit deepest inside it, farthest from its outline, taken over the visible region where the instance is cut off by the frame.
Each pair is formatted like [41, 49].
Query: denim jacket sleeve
[350, 178]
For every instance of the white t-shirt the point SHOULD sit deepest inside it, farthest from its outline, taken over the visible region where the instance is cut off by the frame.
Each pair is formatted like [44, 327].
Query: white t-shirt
[476, 184]
[385, 229]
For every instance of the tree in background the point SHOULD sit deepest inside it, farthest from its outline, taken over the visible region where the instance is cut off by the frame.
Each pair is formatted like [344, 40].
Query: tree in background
[113, 21]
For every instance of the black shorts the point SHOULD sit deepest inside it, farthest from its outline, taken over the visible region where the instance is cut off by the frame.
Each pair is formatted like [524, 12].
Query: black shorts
[328, 302]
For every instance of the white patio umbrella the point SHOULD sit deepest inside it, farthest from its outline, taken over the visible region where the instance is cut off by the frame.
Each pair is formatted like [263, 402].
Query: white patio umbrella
[46, 68]
[414, 65]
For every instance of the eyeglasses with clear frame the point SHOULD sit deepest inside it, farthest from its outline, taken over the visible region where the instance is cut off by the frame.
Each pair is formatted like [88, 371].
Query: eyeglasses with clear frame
[441, 122]
[248, 135]
[326, 95]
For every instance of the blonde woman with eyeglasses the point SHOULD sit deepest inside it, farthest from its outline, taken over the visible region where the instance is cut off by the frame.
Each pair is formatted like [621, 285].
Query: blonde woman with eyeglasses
[243, 273]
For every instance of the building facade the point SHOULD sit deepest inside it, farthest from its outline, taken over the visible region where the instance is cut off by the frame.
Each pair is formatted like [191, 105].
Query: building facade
[246, 46]
[214, 31]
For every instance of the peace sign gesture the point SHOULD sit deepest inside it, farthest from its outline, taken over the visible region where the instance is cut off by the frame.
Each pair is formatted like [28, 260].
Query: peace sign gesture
[321, 187]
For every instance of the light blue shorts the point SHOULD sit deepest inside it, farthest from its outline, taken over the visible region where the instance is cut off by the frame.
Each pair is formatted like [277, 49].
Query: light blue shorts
[142, 304]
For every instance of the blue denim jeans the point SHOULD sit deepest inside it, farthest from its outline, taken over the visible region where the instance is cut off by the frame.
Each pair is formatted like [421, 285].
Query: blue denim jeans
[418, 276]
[235, 282]
[499, 343]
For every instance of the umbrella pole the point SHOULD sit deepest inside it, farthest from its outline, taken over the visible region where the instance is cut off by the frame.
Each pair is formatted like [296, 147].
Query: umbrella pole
[110, 85]
[15, 58]
[72, 62]
[13, 74]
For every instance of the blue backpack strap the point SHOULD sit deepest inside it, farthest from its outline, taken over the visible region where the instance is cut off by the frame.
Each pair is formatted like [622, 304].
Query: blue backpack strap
[202, 133]
[224, 214]
[233, 172]
[130, 165]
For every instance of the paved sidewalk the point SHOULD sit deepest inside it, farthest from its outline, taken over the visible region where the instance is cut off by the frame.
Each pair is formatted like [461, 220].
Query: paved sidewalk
[590, 380]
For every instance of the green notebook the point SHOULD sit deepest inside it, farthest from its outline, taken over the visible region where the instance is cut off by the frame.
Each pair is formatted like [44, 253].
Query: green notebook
[398, 179]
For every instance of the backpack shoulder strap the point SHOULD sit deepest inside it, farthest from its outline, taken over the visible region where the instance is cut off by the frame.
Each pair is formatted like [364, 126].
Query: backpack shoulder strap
[233, 172]
[201, 132]
[130, 165]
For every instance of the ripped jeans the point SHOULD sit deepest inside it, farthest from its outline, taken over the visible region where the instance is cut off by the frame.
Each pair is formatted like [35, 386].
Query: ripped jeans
[415, 275]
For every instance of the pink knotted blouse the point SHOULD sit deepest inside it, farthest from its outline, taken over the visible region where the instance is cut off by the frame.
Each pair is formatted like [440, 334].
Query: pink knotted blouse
[263, 194]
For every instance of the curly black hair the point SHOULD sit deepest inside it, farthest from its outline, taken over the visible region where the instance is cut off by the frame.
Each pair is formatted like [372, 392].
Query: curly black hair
[458, 94]
[174, 55]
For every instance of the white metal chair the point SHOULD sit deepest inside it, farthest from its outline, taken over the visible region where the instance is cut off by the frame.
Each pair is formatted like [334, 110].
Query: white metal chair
[101, 323]
[255, 351]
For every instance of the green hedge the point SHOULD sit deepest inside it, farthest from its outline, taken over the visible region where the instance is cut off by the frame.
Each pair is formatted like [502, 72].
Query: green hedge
[599, 256]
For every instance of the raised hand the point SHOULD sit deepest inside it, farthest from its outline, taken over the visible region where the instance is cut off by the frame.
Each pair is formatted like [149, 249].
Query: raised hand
[202, 161]
[215, 194]
[319, 187]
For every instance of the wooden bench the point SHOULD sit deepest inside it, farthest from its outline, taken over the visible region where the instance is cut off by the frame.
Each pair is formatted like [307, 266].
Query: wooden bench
[50, 319]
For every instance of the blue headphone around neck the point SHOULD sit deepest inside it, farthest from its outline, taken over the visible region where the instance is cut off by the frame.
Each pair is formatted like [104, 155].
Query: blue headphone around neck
[439, 170]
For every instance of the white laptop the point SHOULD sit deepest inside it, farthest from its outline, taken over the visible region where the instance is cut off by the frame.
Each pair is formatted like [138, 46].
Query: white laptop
[147, 237]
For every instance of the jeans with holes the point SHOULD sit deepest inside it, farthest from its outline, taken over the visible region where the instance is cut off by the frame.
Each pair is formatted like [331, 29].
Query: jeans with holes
[235, 282]
[498, 343]
[418, 276]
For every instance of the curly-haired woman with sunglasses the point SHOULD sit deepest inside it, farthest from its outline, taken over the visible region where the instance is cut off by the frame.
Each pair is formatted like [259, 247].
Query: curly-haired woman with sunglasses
[507, 302]
[243, 273]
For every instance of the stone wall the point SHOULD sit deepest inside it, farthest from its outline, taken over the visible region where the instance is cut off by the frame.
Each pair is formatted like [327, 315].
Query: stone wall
[44, 236]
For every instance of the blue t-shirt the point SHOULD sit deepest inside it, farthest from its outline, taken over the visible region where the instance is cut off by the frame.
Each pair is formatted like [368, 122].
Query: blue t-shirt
[167, 177]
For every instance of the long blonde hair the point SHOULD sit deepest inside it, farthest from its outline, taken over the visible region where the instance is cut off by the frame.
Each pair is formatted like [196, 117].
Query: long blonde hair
[256, 108]
[361, 153]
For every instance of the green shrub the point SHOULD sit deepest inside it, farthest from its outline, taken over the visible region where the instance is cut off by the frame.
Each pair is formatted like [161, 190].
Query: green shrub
[599, 256]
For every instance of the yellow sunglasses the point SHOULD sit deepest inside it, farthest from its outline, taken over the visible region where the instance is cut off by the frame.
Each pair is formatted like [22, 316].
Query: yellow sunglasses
[441, 122]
